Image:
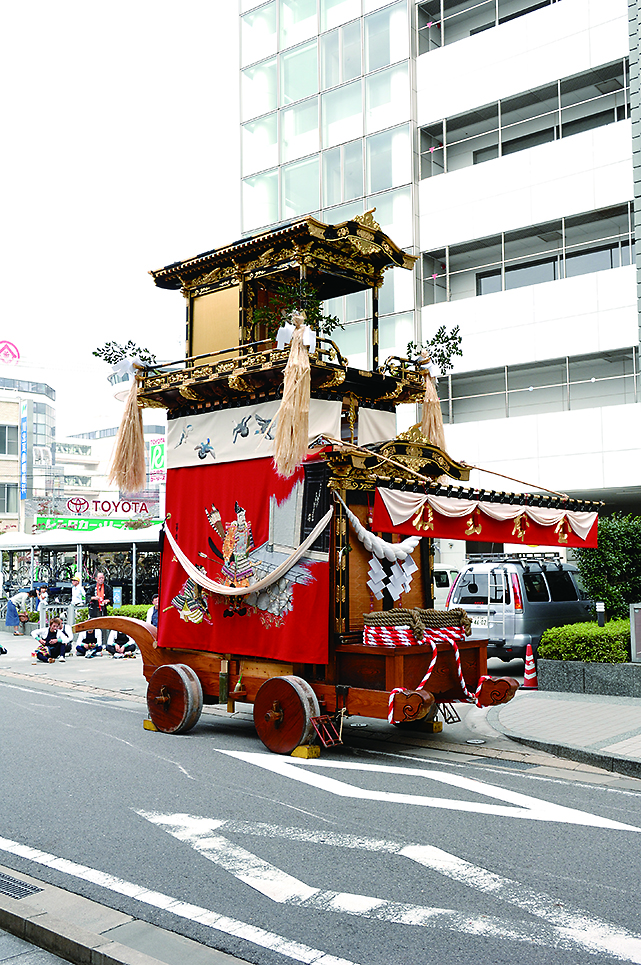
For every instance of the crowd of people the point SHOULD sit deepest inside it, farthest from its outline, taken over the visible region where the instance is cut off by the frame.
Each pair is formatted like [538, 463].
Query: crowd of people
[55, 639]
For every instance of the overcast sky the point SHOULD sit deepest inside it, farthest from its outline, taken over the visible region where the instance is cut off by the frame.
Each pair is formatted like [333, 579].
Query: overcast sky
[120, 126]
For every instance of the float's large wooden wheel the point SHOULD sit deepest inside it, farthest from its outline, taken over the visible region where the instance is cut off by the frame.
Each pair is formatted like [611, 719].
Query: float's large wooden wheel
[283, 712]
[174, 698]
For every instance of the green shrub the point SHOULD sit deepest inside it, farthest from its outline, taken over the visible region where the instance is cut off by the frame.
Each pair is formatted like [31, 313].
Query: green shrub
[139, 612]
[587, 641]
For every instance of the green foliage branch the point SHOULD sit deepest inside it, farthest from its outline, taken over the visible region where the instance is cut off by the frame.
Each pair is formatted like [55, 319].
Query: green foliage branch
[113, 352]
[286, 298]
[441, 348]
[588, 642]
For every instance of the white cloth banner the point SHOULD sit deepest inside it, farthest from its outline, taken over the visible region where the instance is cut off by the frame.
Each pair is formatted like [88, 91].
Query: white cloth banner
[375, 426]
[402, 506]
[246, 432]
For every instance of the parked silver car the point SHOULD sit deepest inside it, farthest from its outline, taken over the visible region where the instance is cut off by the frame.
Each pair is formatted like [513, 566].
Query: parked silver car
[511, 600]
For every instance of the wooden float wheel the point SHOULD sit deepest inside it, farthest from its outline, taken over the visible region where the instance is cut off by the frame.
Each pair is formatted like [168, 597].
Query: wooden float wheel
[283, 712]
[174, 698]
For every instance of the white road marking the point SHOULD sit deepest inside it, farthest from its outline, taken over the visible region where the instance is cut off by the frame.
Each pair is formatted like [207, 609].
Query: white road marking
[523, 806]
[297, 951]
[562, 928]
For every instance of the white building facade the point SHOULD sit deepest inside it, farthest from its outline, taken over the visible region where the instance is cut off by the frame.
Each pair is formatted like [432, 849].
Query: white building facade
[495, 140]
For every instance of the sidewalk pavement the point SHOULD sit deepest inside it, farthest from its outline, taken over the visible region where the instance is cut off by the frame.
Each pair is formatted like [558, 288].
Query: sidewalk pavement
[564, 736]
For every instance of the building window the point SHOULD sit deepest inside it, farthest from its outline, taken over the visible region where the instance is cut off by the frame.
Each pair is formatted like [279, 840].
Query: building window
[301, 188]
[75, 482]
[387, 97]
[389, 159]
[579, 245]
[8, 440]
[343, 173]
[556, 385]
[386, 37]
[258, 33]
[336, 12]
[569, 106]
[258, 89]
[442, 22]
[298, 73]
[260, 144]
[299, 130]
[341, 55]
[297, 21]
[342, 114]
[8, 498]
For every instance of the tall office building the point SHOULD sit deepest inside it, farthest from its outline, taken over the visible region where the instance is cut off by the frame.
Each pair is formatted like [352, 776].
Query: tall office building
[494, 139]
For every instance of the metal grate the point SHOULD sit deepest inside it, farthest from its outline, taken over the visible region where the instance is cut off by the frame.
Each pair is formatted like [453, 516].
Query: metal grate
[15, 888]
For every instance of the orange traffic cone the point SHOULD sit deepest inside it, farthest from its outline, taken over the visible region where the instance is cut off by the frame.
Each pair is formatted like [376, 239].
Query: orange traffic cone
[529, 679]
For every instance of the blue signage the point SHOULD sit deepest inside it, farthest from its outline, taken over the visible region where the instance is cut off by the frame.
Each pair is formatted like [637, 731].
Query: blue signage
[23, 450]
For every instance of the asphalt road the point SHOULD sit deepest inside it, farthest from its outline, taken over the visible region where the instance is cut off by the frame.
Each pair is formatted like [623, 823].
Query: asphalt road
[361, 857]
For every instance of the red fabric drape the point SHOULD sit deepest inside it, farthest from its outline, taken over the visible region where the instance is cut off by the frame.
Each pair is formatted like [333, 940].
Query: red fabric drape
[302, 635]
[479, 527]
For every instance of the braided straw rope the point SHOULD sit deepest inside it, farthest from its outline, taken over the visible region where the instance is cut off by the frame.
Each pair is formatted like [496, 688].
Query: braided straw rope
[419, 620]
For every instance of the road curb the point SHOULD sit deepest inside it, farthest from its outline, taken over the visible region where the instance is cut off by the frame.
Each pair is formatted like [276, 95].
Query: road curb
[29, 918]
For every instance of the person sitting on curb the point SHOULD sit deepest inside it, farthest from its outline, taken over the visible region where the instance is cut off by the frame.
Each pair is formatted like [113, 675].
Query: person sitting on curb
[54, 641]
[120, 645]
[89, 643]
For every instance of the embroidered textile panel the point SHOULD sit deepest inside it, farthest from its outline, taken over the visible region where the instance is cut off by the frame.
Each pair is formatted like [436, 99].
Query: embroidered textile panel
[289, 621]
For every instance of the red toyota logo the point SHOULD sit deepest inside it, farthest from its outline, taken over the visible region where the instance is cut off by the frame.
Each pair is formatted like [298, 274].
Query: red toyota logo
[77, 505]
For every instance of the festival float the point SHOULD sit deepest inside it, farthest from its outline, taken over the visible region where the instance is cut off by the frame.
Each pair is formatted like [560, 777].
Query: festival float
[297, 554]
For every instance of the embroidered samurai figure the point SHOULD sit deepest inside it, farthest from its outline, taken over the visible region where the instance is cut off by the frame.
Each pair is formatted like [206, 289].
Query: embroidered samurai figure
[238, 542]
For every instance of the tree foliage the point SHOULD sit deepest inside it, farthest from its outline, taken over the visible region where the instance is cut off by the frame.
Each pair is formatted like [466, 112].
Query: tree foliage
[612, 571]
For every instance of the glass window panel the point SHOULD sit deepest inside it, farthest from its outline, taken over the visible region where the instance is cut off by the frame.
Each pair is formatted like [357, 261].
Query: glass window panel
[352, 341]
[298, 73]
[300, 186]
[351, 52]
[488, 283]
[299, 130]
[336, 12]
[523, 275]
[394, 334]
[297, 21]
[394, 214]
[353, 170]
[397, 291]
[477, 396]
[584, 262]
[258, 89]
[386, 37]
[260, 144]
[342, 114]
[370, 5]
[343, 212]
[260, 200]
[355, 306]
[258, 34]
[387, 99]
[332, 177]
[389, 159]
[343, 173]
[330, 52]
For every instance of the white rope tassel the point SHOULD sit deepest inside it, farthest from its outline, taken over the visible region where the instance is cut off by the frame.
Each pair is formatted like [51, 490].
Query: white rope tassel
[292, 420]
[432, 421]
[128, 469]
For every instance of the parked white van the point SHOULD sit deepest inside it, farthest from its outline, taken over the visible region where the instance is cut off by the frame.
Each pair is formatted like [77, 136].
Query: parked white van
[443, 579]
[511, 600]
